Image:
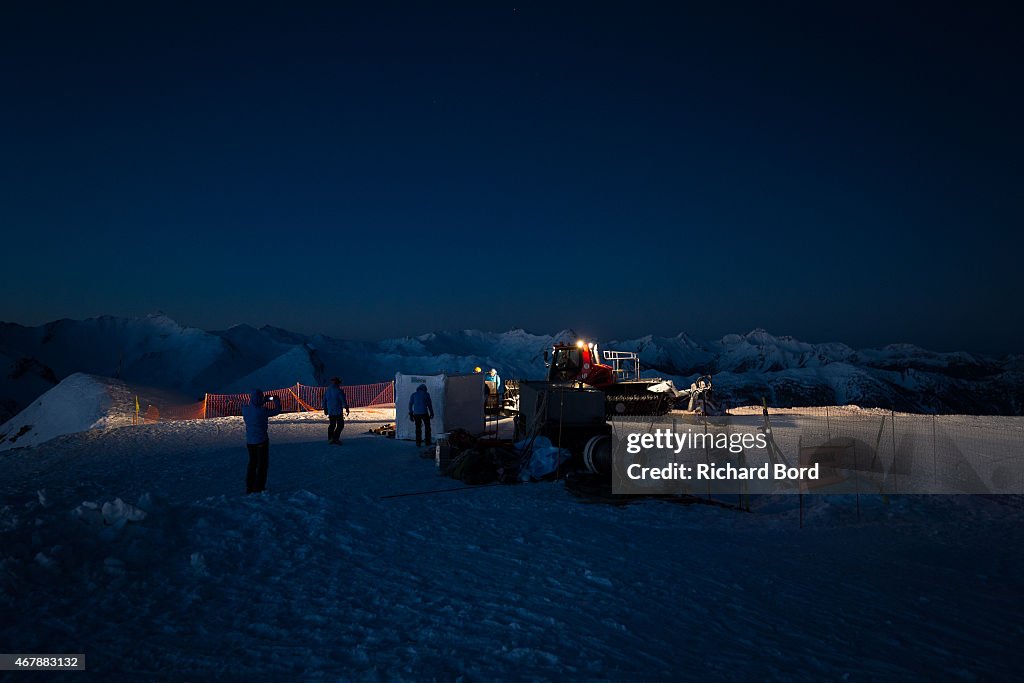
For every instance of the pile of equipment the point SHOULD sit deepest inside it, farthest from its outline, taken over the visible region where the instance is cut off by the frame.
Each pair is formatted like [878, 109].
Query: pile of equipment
[387, 430]
[559, 429]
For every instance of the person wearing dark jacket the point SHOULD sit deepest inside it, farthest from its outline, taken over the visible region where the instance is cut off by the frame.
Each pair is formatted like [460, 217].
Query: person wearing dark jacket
[421, 411]
[334, 404]
[257, 440]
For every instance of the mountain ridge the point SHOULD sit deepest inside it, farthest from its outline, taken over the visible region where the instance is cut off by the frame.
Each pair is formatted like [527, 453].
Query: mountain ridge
[157, 351]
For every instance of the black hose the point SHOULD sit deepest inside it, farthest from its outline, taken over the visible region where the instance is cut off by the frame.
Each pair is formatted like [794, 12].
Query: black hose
[424, 493]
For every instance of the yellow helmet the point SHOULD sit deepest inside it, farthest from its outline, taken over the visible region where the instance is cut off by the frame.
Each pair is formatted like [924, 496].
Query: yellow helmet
[477, 369]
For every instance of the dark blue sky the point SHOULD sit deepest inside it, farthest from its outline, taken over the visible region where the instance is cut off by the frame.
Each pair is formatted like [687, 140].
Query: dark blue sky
[834, 171]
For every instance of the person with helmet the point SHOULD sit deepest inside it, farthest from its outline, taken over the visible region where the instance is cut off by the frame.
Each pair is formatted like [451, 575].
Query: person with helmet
[494, 378]
[257, 440]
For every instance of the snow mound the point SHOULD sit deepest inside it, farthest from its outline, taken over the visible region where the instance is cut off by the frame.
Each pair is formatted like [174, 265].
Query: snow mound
[77, 404]
[116, 513]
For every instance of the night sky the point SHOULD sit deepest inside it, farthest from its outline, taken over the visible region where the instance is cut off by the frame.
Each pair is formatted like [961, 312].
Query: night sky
[834, 171]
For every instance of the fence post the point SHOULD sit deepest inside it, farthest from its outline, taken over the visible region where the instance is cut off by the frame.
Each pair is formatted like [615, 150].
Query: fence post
[895, 473]
[707, 453]
[800, 493]
[205, 399]
[856, 478]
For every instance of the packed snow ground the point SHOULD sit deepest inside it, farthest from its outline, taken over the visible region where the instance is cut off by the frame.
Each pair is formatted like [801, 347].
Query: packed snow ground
[323, 578]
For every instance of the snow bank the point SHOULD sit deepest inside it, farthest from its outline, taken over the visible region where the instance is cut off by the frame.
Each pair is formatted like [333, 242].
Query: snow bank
[79, 403]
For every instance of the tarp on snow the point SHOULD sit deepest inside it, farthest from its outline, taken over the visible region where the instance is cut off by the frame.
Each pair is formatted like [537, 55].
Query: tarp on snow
[543, 458]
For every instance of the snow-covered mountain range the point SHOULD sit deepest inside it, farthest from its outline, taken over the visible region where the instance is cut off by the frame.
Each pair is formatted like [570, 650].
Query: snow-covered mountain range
[158, 353]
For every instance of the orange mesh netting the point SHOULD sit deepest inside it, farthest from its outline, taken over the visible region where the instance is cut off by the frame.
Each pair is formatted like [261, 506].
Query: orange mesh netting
[193, 411]
[299, 397]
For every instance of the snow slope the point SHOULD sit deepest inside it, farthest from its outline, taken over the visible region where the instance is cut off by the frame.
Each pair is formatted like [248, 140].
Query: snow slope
[22, 379]
[136, 547]
[296, 363]
[77, 404]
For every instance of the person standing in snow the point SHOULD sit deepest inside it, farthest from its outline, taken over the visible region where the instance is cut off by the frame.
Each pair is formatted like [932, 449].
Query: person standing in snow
[421, 411]
[334, 403]
[257, 441]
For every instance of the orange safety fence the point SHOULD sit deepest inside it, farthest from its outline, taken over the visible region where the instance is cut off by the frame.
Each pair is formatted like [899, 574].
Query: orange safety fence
[193, 411]
[302, 404]
[296, 398]
[358, 396]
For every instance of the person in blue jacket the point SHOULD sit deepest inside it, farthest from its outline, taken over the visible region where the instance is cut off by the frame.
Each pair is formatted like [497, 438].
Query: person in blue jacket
[334, 403]
[421, 411]
[492, 396]
[257, 441]
[494, 378]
